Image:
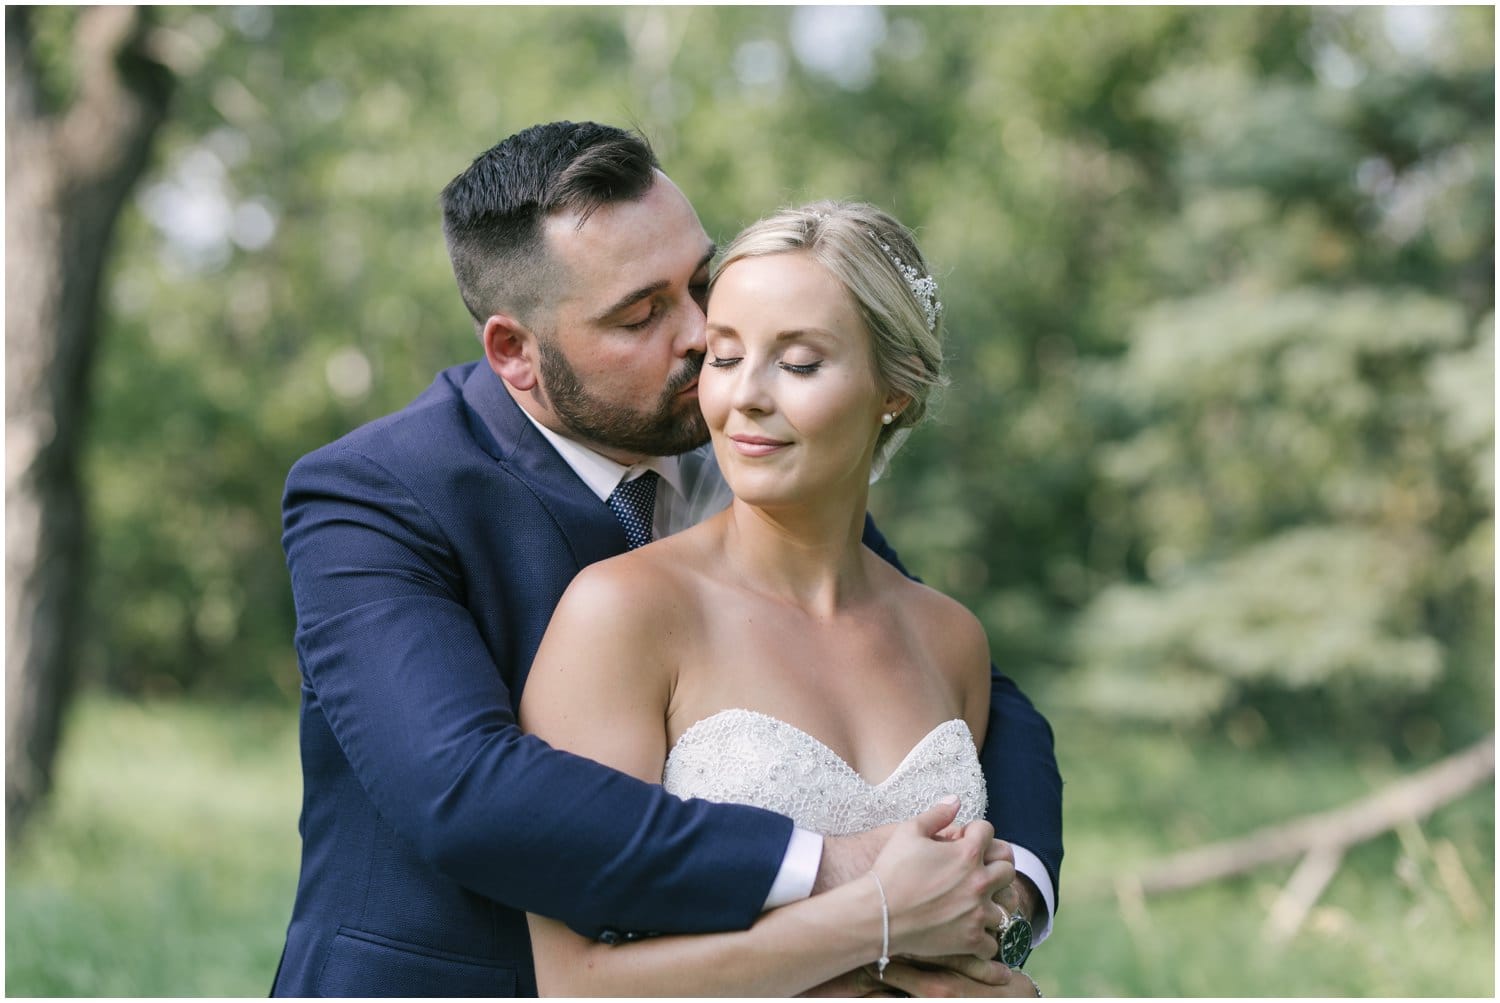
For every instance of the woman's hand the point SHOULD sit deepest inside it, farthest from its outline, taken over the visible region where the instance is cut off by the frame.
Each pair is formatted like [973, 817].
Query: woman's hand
[940, 891]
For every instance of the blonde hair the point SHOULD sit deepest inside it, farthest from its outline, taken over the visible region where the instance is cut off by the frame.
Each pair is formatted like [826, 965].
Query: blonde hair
[867, 250]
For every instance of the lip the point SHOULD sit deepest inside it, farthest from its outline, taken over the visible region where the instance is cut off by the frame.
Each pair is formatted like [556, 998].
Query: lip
[756, 445]
[691, 390]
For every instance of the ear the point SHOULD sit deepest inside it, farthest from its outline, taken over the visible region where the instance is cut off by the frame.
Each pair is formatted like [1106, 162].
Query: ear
[895, 403]
[510, 349]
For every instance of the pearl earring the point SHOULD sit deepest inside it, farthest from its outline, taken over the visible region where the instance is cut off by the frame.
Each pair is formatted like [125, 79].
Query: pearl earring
[888, 417]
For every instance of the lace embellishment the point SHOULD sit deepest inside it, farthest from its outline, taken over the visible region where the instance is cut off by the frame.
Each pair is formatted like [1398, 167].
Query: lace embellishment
[746, 757]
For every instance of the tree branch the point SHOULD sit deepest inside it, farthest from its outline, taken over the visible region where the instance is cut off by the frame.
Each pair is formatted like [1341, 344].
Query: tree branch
[1326, 833]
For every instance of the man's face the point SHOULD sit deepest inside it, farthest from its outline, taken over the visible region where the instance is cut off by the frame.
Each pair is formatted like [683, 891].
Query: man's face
[619, 363]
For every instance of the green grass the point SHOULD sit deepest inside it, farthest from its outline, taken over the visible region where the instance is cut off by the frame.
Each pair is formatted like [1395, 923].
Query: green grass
[1385, 926]
[166, 863]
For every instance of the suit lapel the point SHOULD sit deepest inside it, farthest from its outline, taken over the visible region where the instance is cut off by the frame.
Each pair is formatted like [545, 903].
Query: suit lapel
[504, 431]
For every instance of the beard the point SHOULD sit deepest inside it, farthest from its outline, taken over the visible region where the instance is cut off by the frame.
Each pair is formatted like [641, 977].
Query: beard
[672, 426]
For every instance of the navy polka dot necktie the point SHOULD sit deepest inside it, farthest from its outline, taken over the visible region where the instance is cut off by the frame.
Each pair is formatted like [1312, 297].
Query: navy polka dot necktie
[634, 504]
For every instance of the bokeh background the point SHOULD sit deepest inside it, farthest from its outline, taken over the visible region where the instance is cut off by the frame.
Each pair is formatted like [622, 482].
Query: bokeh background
[1216, 469]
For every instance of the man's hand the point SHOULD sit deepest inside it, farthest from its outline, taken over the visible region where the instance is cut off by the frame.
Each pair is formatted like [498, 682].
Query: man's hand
[954, 975]
[1020, 897]
[964, 975]
[1009, 897]
[1028, 899]
[848, 857]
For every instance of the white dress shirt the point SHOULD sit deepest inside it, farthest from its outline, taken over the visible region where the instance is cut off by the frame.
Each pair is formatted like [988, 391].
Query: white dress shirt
[698, 491]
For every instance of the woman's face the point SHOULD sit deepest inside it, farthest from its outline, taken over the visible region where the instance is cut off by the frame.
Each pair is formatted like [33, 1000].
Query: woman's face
[789, 387]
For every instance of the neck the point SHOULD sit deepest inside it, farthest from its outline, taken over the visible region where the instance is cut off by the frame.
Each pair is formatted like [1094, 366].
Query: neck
[806, 555]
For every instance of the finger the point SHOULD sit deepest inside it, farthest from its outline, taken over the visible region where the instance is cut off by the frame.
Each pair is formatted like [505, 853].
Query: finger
[977, 837]
[937, 818]
[999, 875]
[999, 850]
[1009, 898]
[921, 982]
[1024, 985]
[915, 981]
[991, 973]
[982, 830]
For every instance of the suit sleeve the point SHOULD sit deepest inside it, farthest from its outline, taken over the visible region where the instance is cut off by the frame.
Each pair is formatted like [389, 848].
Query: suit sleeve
[418, 706]
[1020, 768]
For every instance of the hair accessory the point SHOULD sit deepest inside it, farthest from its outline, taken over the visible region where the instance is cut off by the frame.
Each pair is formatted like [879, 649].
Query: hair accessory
[888, 417]
[885, 930]
[923, 287]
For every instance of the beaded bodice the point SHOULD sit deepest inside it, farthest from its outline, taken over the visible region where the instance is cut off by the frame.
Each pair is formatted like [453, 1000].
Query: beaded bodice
[746, 757]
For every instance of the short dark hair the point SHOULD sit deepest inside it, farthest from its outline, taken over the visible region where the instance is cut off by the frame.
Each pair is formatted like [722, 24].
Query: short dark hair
[493, 212]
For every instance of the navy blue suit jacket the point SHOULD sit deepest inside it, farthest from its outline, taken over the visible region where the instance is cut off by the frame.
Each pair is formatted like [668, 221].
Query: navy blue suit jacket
[427, 551]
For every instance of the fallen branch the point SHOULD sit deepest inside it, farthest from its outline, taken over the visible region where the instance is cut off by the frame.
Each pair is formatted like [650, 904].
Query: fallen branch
[1301, 893]
[1329, 833]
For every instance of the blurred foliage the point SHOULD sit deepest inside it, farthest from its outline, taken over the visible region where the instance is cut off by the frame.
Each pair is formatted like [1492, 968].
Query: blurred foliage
[1219, 284]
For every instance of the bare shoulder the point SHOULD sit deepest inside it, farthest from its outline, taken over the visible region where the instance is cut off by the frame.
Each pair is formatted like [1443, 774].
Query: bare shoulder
[956, 641]
[953, 628]
[602, 678]
[630, 596]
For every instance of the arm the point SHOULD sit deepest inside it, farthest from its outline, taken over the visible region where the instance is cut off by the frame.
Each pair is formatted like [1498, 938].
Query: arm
[614, 709]
[939, 900]
[412, 693]
[1025, 788]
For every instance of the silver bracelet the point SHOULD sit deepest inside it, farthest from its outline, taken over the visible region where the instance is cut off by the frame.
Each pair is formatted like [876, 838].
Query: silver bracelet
[885, 931]
[1034, 987]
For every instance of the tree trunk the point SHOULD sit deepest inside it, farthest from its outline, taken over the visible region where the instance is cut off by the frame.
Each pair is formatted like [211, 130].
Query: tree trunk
[67, 173]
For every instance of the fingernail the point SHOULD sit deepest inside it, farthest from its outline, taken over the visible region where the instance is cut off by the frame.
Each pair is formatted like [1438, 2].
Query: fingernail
[951, 799]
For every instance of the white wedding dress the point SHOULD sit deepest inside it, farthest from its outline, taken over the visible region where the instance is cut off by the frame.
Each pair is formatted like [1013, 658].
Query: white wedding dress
[746, 757]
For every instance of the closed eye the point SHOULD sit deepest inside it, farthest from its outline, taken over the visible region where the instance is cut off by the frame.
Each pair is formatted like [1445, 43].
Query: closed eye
[802, 369]
[641, 325]
[721, 363]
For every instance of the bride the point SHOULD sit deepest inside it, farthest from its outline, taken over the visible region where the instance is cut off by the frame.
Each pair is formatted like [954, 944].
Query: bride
[766, 656]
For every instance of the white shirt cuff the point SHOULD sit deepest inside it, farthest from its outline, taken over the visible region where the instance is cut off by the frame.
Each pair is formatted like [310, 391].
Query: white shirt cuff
[799, 869]
[1029, 864]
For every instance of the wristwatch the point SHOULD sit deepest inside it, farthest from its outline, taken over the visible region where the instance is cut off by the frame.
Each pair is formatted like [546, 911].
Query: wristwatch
[1014, 936]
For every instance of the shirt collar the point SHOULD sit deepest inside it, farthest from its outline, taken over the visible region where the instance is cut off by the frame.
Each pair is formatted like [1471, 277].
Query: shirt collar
[599, 472]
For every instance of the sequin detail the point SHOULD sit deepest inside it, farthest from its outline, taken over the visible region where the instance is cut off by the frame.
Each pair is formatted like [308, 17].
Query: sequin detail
[745, 757]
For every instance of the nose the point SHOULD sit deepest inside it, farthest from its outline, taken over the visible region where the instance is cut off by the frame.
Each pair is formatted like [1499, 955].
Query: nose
[691, 340]
[749, 392]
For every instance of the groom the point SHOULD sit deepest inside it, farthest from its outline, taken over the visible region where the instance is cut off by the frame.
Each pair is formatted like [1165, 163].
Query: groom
[427, 551]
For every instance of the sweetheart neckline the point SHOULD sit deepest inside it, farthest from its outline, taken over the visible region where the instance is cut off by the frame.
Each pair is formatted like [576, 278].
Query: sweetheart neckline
[840, 760]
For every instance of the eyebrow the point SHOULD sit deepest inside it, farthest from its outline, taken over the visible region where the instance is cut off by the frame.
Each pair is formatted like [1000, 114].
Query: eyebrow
[792, 334]
[632, 298]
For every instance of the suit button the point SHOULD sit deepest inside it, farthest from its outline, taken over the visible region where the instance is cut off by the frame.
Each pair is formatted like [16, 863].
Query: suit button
[610, 937]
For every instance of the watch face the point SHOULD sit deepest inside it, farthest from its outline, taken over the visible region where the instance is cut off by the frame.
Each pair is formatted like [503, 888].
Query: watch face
[1015, 942]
